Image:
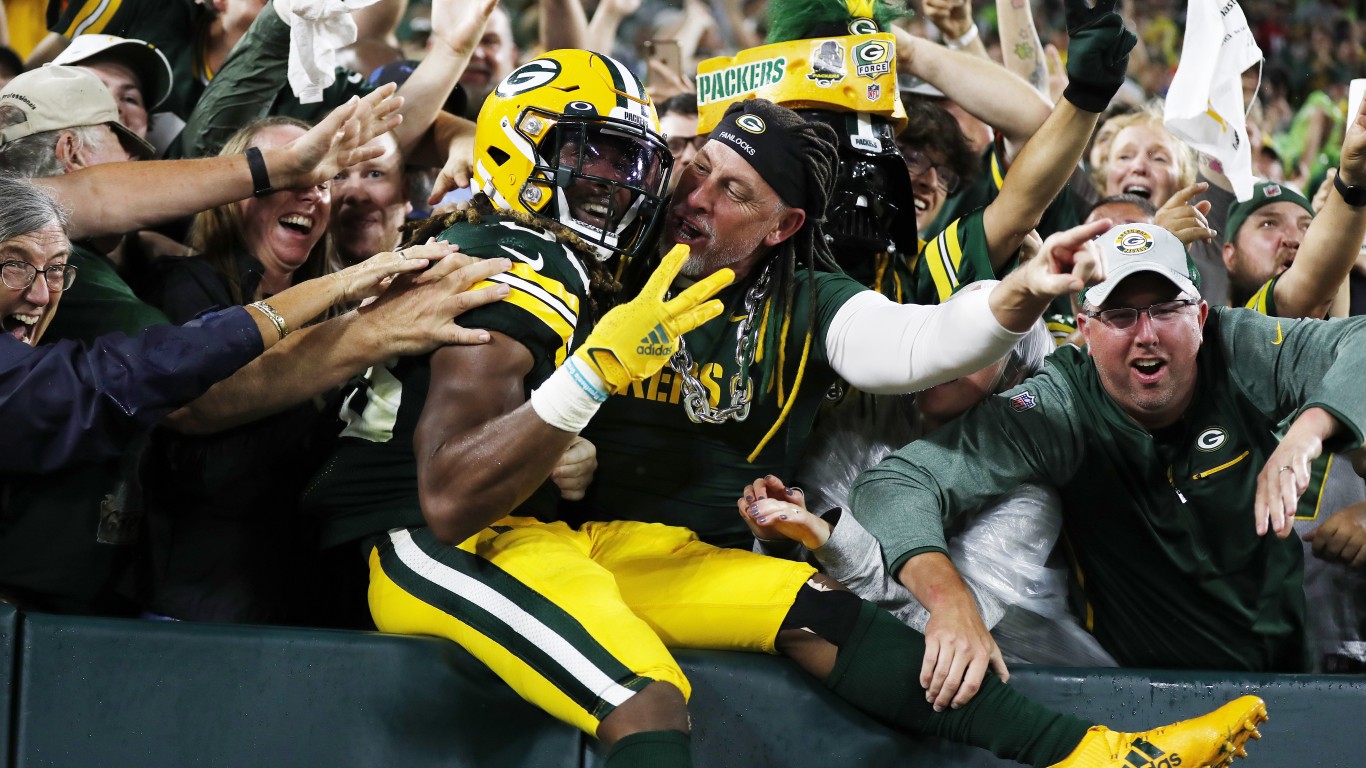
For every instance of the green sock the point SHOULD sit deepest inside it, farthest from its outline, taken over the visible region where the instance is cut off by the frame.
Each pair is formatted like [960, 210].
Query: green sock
[878, 671]
[650, 749]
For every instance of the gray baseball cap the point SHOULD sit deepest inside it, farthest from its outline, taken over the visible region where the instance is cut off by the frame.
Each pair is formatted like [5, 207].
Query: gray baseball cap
[1132, 248]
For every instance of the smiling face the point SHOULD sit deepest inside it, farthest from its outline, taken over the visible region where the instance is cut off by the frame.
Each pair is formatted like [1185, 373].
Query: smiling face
[1143, 161]
[369, 204]
[726, 213]
[1265, 246]
[25, 313]
[281, 228]
[1149, 370]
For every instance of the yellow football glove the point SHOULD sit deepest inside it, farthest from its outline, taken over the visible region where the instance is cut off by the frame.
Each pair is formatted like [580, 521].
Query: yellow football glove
[633, 341]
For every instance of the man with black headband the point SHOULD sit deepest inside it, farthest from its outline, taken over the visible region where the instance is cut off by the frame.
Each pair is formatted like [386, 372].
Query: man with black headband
[579, 619]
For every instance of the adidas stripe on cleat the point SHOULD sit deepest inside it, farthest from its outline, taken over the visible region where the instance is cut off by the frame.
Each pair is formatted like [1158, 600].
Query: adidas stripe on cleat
[1209, 741]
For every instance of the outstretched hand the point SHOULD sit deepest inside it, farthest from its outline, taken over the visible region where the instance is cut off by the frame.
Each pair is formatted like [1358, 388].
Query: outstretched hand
[1068, 262]
[459, 24]
[774, 512]
[1353, 165]
[636, 339]
[339, 141]
[415, 314]
[1285, 476]
[1097, 53]
[1185, 219]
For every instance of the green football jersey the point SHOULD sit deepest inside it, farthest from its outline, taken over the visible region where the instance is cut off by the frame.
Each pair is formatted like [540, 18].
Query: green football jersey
[1160, 524]
[369, 484]
[656, 465]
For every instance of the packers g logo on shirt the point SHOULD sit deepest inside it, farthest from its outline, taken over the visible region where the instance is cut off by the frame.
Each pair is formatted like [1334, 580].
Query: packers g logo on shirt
[1211, 439]
[752, 123]
[1132, 241]
[533, 74]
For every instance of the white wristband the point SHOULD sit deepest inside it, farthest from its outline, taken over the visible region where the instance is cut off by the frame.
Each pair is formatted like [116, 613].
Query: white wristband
[965, 40]
[569, 398]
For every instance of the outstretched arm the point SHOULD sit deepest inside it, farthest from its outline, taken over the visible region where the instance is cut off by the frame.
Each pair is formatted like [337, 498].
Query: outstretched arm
[412, 316]
[139, 195]
[1333, 241]
[980, 86]
[884, 348]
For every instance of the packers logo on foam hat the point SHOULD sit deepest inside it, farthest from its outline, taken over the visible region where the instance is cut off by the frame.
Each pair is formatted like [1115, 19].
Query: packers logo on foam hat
[791, 74]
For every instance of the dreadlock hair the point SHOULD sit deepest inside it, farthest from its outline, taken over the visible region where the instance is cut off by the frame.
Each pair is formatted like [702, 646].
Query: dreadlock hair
[806, 251]
[602, 285]
[800, 19]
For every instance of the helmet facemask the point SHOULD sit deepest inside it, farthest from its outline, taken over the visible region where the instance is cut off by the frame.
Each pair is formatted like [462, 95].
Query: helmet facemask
[607, 178]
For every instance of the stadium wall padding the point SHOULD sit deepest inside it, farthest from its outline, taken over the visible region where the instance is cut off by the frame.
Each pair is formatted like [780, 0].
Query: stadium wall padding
[88, 691]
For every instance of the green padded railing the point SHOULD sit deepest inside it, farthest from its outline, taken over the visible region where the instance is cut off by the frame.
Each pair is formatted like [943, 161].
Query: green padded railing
[108, 692]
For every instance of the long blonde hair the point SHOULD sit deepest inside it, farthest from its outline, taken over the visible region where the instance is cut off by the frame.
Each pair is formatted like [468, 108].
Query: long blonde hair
[219, 234]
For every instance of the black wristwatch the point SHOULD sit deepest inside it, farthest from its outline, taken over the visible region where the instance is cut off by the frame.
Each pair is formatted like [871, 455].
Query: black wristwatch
[1352, 194]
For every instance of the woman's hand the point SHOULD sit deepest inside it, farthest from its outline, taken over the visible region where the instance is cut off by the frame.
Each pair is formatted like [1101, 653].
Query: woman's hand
[773, 511]
[370, 277]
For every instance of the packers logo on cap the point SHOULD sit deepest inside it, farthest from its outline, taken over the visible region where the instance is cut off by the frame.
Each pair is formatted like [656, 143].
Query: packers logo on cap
[1132, 241]
[752, 123]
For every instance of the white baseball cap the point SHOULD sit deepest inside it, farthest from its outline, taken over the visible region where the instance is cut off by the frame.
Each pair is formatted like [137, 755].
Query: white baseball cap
[1133, 248]
[149, 64]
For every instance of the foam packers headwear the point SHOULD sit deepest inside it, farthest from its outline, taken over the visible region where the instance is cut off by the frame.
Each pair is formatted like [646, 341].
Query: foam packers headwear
[766, 147]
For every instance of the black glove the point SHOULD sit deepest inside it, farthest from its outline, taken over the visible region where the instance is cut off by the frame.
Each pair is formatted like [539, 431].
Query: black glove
[1097, 53]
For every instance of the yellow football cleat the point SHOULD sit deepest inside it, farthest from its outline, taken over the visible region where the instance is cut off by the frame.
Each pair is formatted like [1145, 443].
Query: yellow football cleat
[1208, 741]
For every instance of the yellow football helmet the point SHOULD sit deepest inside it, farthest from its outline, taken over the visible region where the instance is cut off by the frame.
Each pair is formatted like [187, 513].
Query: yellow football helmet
[573, 137]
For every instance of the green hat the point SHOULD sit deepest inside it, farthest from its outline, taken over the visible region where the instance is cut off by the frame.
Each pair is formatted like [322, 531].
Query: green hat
[1264, 193]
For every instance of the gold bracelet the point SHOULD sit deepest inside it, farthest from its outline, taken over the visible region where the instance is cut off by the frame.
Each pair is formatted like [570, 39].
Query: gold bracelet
[274, 317]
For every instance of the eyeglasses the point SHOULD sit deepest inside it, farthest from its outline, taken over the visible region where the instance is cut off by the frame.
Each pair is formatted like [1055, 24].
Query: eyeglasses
[1124, 318]
[18, 275]
[919, 164]
[679, 143]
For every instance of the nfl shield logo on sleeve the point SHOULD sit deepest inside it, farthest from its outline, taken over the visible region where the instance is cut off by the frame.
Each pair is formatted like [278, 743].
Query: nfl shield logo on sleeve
[1022, 402]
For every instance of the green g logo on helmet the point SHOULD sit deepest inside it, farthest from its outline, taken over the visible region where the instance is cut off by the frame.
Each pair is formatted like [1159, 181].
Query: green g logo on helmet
[529, 76]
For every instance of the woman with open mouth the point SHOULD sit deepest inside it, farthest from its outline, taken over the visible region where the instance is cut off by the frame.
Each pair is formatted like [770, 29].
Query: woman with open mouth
[222, 525]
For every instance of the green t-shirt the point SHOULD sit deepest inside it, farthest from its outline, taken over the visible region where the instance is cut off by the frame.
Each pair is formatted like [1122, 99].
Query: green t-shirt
[656, 465]
[1159, 525]
[369, 484]
[100, 302]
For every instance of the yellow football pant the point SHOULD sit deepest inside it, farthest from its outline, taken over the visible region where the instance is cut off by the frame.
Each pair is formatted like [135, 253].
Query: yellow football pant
[576, 621]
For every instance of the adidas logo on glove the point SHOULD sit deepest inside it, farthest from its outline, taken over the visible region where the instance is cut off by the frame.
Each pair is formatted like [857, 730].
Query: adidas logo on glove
[656, 343]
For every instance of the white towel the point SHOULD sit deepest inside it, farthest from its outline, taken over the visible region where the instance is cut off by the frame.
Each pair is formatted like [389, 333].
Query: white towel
[1205, 102]
[318, 29]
